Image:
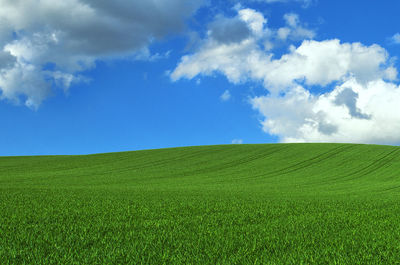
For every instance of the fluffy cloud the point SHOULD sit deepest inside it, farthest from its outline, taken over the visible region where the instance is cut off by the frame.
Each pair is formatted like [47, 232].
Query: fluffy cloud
[362, 107]
[239, 60]
[313, 62]
[323, 62]
[71, 35]
[233, 60]
[352, 112]
[358, 98]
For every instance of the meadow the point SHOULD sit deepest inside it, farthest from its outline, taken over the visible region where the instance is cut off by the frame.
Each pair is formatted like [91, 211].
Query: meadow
[227, 204]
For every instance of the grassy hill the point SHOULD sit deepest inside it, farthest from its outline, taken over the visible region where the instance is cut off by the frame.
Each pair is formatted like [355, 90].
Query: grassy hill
[239, 204]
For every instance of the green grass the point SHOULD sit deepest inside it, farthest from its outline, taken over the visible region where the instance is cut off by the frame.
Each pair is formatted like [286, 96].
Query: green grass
[233, 204]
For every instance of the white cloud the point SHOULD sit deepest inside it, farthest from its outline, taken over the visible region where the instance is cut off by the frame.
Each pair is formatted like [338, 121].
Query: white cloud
[291, 19]
[396, 38]
[23, 79]
[226, 96]
[233, 60]
[362, 107]
[72, 35]
[245, 58]
[294, 30]
[323, 62]
[240, 59]
[255, 20]
[300, 116]
[237, 141]
[283, 33]
[313, 62]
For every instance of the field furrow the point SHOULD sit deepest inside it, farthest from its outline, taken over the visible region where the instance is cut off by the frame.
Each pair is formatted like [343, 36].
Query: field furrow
[232, 204]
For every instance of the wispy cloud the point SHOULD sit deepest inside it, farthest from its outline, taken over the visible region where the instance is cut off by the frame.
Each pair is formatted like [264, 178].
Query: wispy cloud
[305, 3]
[396, 38]
[226, 96]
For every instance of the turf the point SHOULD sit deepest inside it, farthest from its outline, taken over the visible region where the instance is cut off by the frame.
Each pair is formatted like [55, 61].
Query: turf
[232, 204]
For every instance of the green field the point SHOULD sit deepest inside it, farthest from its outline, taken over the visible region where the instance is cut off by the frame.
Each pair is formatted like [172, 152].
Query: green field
[232, 204]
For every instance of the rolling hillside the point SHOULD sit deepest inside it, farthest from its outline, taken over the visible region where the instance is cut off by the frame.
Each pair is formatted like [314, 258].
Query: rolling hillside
[259, 204]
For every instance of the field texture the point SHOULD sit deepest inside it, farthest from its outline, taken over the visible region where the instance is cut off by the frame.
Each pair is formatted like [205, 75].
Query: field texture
[233, 204]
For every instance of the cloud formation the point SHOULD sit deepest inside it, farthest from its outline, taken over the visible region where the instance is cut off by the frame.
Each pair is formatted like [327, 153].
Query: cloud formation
[358, 96]
[396, 38]
[245, 58]
[44, 44]
[352, 112]
[293, 29]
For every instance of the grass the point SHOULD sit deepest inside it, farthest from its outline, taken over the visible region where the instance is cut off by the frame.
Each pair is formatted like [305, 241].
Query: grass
[233, 204]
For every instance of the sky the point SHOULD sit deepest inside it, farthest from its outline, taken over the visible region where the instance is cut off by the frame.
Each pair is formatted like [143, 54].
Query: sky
[94, 76]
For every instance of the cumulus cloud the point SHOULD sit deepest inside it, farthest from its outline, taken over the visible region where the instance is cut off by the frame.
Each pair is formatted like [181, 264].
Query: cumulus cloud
[238, 60]
[313, 62]
[370, 114]
[323, 62]
[71, 35]
[362, 107]
[358, 96]
[221, 58]
[226, 95]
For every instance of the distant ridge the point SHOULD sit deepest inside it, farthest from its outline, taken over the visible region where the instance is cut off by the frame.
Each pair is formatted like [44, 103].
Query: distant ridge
[291, 168]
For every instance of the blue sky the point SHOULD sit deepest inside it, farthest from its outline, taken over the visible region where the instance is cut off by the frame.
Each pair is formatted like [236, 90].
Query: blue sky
[155, 74]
